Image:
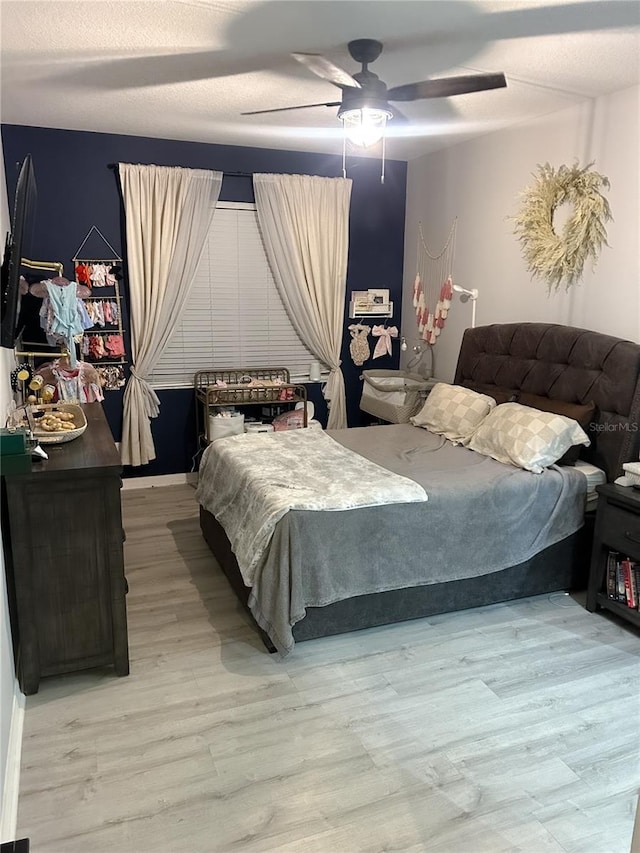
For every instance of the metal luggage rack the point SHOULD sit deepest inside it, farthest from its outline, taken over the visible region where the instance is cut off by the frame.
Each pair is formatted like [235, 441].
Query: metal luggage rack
[274, 387]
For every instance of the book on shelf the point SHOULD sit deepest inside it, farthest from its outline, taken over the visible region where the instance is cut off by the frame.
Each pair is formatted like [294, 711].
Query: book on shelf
[612, 576]
[623, 580]
[621, 594]
[625, 569]
[633, 584]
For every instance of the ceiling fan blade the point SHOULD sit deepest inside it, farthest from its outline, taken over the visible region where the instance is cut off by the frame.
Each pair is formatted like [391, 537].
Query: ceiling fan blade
[327, 70]
[164, 69]
[286, 109]
[445, 87]
[559, 18]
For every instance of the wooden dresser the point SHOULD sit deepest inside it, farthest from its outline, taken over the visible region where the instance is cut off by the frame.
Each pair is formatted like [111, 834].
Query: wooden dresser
[63, 536]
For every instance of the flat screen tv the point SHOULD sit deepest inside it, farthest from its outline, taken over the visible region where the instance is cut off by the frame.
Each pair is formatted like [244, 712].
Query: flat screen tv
[18, 246]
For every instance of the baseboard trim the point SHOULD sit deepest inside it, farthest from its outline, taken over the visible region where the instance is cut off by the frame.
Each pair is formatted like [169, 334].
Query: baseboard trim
[160, 480]
[9, 817]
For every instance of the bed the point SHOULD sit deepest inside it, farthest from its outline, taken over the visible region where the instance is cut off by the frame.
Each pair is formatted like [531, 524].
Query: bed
[384, 547]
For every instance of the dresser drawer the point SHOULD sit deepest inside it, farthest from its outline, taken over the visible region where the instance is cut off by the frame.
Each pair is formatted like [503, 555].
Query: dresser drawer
[620, 529]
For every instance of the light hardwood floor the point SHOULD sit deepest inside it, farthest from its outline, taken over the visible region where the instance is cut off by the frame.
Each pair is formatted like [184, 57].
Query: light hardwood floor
[506, 728]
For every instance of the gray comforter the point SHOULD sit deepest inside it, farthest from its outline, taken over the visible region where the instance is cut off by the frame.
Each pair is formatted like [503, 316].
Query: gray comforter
[481, 516]
[249, 482]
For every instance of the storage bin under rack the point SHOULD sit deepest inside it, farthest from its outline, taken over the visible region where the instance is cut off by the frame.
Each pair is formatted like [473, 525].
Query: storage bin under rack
[251, 386]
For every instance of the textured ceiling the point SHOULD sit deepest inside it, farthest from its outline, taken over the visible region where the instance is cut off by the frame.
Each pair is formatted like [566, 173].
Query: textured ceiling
[186, 69]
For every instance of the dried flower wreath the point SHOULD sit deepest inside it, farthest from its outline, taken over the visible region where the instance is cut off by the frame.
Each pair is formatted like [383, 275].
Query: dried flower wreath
[561, 258]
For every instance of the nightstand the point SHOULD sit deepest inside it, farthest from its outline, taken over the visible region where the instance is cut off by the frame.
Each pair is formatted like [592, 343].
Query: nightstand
[617, 529]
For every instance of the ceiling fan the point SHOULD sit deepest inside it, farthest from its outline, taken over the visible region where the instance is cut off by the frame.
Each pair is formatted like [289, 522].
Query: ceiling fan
[365, 108]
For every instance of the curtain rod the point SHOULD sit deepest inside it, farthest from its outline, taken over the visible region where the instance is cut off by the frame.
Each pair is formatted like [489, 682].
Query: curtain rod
[114, 166]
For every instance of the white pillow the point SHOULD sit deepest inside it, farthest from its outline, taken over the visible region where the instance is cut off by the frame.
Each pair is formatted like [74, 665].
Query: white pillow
[453, 411]
[526, 437]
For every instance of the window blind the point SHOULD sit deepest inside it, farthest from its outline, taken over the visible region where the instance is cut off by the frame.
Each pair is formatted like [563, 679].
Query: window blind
[234, 316]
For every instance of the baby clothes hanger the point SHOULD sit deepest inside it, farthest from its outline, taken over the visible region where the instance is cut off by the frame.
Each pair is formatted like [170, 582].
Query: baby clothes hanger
[40, 288]
[384, 335]
[359, 346]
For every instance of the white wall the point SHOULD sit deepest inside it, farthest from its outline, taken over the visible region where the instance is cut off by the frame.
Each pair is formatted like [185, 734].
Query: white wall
[11, 701]
[479, 182]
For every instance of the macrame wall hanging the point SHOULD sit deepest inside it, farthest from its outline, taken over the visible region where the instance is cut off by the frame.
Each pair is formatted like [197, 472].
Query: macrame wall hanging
[433, 286]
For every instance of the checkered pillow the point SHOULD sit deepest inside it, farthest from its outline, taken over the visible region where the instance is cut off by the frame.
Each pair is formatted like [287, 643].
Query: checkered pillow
[453, 411]
[526, 437]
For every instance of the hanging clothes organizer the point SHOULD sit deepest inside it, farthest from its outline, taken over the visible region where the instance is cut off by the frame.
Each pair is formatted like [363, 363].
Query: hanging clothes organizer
[103, 344]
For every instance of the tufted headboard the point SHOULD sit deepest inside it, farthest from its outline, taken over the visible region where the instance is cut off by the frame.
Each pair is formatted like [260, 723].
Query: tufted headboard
[563, 363]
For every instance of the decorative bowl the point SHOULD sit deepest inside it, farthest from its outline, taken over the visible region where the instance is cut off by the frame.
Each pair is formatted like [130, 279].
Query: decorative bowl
[37, 412]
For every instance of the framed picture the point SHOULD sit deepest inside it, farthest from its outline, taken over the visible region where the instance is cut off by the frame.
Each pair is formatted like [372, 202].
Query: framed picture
[360, 300]
[373, 302]
[379, 297]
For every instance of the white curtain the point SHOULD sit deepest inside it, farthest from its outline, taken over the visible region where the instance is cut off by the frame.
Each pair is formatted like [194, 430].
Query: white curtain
[305, 227]
[168, 214]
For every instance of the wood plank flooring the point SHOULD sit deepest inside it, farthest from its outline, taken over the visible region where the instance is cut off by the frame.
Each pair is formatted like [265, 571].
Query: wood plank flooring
[506, 728]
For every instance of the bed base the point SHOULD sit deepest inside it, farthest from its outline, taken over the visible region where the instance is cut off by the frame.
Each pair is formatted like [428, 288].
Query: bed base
[563, 566]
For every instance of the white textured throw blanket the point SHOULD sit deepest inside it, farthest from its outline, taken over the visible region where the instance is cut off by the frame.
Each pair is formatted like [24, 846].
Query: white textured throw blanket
[249, 482]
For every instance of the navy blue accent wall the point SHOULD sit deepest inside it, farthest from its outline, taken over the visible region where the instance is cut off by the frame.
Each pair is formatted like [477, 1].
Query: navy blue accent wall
[78, 188]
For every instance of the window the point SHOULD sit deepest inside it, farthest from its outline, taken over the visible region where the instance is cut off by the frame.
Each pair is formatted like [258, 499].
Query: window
[234, 316]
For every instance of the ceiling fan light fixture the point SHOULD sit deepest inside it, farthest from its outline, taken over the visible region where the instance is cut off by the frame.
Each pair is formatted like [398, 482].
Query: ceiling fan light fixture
[364, 126]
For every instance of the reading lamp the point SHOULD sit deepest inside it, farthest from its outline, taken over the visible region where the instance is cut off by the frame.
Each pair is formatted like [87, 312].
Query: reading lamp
[465, 296]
